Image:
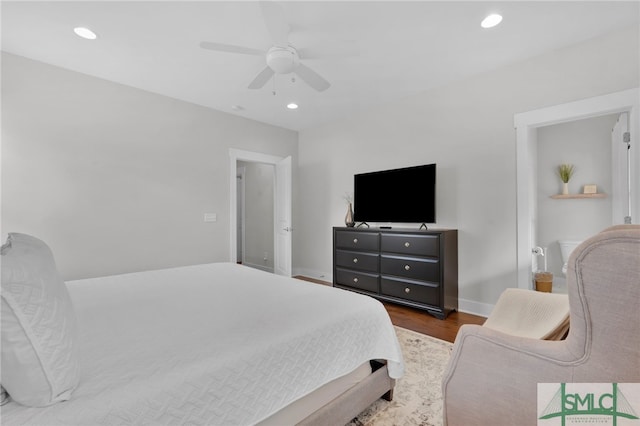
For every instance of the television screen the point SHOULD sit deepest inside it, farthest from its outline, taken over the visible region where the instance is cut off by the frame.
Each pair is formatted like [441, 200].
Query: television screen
[406, 195]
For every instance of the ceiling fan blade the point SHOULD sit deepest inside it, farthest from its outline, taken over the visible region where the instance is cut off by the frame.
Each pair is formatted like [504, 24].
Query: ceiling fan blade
[261, 79]
[337, 50]
[312, 78]
[220, 47]
[273, 16]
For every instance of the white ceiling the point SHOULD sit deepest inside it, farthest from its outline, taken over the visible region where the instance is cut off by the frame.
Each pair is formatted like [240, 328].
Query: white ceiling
[403, 47]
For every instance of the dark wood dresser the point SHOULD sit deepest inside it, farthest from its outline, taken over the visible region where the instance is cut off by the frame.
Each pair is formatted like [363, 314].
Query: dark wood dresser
[405, 266]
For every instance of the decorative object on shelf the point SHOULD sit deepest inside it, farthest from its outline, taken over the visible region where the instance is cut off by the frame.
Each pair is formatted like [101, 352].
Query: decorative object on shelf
[348, 219]
[565, 171]
[590, 189]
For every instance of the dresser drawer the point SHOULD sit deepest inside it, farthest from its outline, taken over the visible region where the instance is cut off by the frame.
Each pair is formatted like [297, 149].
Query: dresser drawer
[415, 292]
[421, 245]
[359, 280]
[357, 240]
[357, 260]
[410, 267]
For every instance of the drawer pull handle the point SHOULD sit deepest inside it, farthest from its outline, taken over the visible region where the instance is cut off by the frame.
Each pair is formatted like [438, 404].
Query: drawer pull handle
[355, 280]
[355, 260]
[407, 267]
[355, 241]
[407, 244]
[407, 290]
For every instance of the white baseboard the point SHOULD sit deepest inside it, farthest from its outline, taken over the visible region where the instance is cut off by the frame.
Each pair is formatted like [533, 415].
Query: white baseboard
[261, 267]
[475, 308]
[318, 275]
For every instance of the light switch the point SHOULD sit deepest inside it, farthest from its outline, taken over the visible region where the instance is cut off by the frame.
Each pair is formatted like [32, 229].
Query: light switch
[210, 217]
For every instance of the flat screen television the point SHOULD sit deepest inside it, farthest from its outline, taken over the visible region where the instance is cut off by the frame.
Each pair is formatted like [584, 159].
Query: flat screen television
[406, 195]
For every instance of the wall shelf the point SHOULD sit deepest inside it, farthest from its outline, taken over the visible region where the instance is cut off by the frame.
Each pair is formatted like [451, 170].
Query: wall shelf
[568, 196]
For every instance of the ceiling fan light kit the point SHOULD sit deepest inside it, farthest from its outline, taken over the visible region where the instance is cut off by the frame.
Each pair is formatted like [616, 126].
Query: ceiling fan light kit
[281, 58]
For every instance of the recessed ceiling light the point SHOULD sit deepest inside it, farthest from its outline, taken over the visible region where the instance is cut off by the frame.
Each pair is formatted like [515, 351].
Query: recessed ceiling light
[491, 21]
[85, 33]
[292, 105]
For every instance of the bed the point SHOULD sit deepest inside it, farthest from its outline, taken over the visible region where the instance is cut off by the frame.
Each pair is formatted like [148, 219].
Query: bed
[221, 344]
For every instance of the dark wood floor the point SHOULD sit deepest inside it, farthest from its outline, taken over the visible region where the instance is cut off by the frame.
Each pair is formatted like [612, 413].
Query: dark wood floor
[422, 322]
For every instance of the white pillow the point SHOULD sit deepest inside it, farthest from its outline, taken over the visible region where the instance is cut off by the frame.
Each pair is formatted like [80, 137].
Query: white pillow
[39, 349]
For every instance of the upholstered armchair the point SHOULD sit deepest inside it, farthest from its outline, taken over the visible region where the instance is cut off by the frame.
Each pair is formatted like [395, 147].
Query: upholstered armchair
[492, 377]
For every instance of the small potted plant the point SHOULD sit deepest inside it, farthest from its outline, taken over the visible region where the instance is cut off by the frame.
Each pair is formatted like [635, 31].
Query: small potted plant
[565, 171]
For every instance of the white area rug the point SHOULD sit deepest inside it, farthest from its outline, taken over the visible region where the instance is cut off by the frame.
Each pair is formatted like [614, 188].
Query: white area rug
[417, 399]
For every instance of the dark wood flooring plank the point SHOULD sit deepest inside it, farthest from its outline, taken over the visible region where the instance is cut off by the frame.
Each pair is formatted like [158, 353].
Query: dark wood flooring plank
[422, 322]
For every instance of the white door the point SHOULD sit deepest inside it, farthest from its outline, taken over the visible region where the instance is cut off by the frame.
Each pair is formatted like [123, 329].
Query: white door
[282, 223]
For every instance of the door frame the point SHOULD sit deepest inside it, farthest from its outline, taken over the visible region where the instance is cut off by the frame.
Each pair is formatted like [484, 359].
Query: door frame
[241, 172]
[236, 155]
[526, 125]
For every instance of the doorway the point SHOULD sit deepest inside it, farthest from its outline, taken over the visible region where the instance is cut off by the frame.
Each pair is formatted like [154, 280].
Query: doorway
[255, 215]
[281, 223]
[527, 125]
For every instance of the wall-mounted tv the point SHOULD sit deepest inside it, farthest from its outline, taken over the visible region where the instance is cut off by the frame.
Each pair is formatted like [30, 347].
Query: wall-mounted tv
[406, 195]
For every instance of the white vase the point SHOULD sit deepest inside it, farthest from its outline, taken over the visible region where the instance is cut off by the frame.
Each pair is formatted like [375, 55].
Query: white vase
[565, 188]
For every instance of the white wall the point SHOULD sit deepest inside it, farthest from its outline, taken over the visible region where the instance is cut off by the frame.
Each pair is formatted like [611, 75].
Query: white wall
[259, 214]
[587, 145]
[467, 129]
[117, 179]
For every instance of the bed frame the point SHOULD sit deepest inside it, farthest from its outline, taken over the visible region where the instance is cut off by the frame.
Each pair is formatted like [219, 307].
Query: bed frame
[355, 400]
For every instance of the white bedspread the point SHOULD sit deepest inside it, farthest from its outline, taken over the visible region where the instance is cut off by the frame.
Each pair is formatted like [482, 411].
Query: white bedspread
[211, 344]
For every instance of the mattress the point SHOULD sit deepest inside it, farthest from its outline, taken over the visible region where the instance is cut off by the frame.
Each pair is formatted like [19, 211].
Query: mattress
[211, 344]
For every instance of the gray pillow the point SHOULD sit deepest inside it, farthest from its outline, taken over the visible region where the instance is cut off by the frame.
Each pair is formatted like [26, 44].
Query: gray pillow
[39, 336]
[4, 396]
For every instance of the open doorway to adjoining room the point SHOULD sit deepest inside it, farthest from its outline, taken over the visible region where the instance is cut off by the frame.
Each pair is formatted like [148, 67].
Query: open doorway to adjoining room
[257, 167]
[623, 165]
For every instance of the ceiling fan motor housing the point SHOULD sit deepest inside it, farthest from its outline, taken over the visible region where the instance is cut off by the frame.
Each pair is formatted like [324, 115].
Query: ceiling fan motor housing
[282, 60]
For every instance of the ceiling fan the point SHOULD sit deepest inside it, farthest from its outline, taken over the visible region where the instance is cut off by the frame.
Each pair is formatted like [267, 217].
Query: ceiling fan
[282, 58]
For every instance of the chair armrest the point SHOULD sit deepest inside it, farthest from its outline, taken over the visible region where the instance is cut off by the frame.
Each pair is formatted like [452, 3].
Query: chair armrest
[492, 377]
